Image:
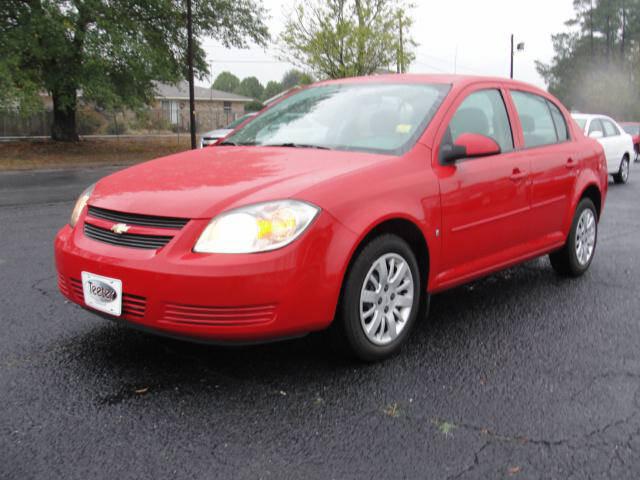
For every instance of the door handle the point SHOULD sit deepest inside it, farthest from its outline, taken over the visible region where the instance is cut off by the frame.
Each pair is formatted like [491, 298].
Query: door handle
[571, 164]
[518, 175]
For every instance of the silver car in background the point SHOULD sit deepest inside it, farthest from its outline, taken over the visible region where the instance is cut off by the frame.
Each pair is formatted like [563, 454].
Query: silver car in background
[212, 136]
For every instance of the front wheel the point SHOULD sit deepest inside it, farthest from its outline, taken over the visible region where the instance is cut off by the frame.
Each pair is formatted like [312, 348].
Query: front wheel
[380, 300]
[576, 255]
[623, 174]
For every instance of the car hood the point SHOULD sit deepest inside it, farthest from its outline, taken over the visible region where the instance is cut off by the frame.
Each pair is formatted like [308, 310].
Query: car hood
[202, 183]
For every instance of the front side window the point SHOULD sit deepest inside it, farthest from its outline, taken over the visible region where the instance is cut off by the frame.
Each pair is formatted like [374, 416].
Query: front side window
[536, 120]
[610, 130]
[381, 118]
[483, 113]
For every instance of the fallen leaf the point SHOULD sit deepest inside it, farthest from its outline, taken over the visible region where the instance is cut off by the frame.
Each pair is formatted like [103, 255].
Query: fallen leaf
[514, 470]
[141, 391]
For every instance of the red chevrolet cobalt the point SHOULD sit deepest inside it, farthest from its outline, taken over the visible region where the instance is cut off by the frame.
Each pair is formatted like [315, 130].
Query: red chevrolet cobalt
[343, 206]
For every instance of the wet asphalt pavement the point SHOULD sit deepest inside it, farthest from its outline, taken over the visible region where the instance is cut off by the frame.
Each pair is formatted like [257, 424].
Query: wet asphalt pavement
[521, 375]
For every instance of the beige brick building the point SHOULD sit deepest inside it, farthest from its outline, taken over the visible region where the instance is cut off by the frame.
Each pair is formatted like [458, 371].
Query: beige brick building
[214, 108]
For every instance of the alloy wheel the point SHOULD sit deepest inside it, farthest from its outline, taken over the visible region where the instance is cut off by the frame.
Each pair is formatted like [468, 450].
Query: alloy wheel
[586, 237]
[386, 299]
[624, 170]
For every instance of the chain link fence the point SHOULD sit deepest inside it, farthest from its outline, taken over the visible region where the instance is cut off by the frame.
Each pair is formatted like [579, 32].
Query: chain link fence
[96, 122]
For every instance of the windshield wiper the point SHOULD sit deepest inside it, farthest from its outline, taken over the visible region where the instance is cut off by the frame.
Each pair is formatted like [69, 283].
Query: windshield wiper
[228, 142]
[296, 145]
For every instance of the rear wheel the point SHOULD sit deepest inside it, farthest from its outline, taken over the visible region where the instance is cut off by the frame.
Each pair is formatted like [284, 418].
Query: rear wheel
[623, 174]
[576, 255]
[380, 300]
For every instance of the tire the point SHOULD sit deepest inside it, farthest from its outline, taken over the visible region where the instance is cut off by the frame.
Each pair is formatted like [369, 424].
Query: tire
[622, 176]
[360, 296]
[567, 261]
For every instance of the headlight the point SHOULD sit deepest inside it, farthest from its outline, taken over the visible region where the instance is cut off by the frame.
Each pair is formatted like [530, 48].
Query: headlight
[256, 228]
[80, 204]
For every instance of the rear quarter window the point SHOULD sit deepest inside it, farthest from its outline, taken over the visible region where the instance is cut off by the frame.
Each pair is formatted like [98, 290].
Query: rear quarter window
[560, 122]
[537, 123]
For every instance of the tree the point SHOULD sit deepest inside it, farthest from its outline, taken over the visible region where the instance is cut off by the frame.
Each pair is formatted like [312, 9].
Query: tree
[271, 90]
[250, 87]
[294, 77]
[226, 82]
[253, 106]
[343, 38]
[109, 51]
[595, 67]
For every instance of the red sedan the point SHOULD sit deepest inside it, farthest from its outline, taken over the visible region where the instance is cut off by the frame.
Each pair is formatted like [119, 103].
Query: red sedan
[344, 206]
[633, 129]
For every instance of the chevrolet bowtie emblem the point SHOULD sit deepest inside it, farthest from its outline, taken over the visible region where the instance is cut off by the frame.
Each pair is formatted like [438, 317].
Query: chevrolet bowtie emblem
[120, 228]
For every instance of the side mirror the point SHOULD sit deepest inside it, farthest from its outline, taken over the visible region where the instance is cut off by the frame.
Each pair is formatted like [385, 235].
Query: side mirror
[596, 134]
[469, 145]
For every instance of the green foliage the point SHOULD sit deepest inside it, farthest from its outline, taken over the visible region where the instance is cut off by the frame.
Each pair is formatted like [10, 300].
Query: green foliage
[271, 90]
[294, 77]
[117, 124]
[250, 87]
[254, 106]
[90, 122]
[596, 64]
[226, 82]
[344, 38]
[109, 50]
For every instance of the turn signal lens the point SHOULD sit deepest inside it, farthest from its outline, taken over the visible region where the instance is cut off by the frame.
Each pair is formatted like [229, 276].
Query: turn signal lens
[80, 204]
[256, 228]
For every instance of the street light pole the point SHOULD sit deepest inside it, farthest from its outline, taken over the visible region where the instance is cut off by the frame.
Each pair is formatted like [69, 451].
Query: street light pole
[192, 104]
[511, 56]
[515, 48]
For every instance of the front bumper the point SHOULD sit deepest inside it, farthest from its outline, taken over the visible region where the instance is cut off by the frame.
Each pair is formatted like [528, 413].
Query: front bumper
[217, 297]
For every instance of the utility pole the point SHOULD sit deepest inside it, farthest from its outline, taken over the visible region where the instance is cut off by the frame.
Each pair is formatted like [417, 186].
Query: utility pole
[400, 59]
[192, 103]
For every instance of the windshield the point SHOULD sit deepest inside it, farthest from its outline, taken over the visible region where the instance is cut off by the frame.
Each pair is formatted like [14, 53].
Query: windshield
[632, 129]
[238, 121]
[582, 122]
[382, 118]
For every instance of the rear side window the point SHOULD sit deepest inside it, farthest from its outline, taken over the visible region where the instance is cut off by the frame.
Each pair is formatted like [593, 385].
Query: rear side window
[610, 129]
[560, 123]
[535, 116]
[484, 113]
[596, 126]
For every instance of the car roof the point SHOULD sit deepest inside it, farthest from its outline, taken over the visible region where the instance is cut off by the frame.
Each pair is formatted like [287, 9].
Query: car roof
[589, 116]
[447, 79]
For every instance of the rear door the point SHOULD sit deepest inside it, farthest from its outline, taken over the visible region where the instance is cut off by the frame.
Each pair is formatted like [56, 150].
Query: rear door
[485, 201]
[608, 143]
[546, 142]
[616, 142]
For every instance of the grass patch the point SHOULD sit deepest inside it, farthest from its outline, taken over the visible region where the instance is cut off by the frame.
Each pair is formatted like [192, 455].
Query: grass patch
[446, 428]
[28, 155]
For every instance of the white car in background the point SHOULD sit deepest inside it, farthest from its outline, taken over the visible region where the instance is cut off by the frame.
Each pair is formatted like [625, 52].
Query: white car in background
[211, 137]
[617, 144]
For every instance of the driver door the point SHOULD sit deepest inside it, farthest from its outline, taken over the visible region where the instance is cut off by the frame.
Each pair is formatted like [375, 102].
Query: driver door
[485, 201]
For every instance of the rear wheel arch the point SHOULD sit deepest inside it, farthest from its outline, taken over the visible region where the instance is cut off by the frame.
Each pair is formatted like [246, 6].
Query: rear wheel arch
[592, 192]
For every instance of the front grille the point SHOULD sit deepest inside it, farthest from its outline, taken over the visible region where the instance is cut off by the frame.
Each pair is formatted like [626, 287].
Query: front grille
[137, 219]
[218, 316]
[149, 242]
[133, 306]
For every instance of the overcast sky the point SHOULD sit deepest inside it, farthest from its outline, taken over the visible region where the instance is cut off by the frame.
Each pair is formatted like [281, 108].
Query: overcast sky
[478, 30]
